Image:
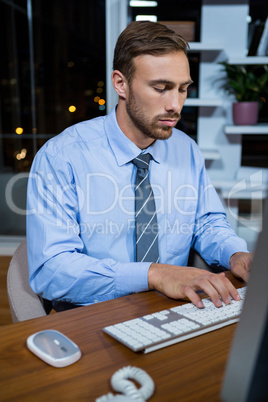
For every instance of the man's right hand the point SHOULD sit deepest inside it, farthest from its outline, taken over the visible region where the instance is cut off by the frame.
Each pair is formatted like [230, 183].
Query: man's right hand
[179, 282]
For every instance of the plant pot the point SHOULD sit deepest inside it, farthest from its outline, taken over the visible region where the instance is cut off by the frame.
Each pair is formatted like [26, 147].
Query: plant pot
[245, 113]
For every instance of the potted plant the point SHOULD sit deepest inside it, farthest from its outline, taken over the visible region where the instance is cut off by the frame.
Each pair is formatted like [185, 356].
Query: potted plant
[249, 86]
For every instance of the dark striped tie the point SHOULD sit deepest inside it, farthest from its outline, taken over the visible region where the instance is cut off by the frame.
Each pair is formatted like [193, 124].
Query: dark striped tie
[145, 214]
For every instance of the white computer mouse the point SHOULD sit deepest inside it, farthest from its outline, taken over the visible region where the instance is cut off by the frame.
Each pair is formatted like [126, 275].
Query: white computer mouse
[54, 348]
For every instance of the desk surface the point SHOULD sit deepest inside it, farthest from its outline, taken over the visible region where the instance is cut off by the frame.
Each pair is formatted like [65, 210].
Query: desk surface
[188, 371]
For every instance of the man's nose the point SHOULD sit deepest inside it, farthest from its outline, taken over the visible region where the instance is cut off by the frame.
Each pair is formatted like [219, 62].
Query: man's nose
[175, 103]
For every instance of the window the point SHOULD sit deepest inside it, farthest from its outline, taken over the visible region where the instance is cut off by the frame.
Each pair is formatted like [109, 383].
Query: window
[52, 75]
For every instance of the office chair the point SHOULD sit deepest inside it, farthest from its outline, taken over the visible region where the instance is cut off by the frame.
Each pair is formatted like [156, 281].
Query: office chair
[24, 303]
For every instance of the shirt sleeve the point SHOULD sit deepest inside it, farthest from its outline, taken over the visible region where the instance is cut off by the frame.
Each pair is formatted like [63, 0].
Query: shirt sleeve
[213, 237]
[58, 268]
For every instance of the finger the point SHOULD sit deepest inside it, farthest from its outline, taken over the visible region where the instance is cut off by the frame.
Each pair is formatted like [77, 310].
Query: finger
[211, 290]
[193, 297]
[219, 289]
[225, 288]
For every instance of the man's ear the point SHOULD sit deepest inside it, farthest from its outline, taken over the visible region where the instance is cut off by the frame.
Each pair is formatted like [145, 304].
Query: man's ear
[120, 83]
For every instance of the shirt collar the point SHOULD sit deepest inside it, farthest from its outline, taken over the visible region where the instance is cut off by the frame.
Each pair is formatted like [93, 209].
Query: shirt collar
[123, 148]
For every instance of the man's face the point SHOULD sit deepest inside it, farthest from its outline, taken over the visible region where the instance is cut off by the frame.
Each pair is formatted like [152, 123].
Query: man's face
[157, 93]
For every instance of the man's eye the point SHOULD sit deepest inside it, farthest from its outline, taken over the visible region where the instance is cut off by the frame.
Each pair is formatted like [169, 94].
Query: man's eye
[182, 90]
[160, 90]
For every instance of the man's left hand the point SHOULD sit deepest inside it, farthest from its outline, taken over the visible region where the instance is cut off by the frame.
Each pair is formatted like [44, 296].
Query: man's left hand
[240, 264]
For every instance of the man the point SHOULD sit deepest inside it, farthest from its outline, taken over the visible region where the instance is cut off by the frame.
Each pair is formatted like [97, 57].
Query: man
[82, 226]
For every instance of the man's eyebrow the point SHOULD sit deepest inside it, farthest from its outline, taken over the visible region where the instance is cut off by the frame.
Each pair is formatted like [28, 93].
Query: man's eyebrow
[168, 82]
[189, 82]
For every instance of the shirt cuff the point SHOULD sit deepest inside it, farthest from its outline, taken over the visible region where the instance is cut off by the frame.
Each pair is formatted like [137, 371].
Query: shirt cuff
[131, 278]
[231, 248]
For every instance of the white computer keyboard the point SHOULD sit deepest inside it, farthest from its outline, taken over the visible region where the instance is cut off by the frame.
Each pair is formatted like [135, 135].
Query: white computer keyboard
[164, 328]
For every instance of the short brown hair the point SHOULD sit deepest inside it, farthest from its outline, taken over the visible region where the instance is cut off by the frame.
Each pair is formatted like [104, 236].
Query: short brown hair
[144, 37]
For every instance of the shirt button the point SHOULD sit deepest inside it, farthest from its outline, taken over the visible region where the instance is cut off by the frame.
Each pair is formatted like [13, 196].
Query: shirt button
[96, 301]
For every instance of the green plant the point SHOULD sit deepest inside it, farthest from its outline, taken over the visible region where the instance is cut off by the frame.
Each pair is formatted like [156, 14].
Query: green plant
[247, 83]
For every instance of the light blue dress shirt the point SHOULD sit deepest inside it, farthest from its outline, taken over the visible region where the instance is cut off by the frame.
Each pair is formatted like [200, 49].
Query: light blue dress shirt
[80, 219]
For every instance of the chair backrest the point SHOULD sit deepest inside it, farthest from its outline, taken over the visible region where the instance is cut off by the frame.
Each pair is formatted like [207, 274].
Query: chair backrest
[24, 303]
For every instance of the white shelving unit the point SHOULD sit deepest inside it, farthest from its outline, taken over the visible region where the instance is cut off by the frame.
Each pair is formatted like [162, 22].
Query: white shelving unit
[215, 125]
[219, 43]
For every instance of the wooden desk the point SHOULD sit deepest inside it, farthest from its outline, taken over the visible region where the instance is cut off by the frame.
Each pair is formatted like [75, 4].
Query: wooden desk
[188, 371]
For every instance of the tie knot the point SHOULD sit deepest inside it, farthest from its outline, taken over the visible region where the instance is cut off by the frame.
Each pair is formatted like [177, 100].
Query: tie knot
[142, 161]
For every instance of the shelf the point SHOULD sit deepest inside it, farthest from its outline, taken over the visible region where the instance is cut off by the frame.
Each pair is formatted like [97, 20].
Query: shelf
[245, 191]
[248, 60]
[211, 154]
[256, 129]
[199, 46]
[203, 102]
